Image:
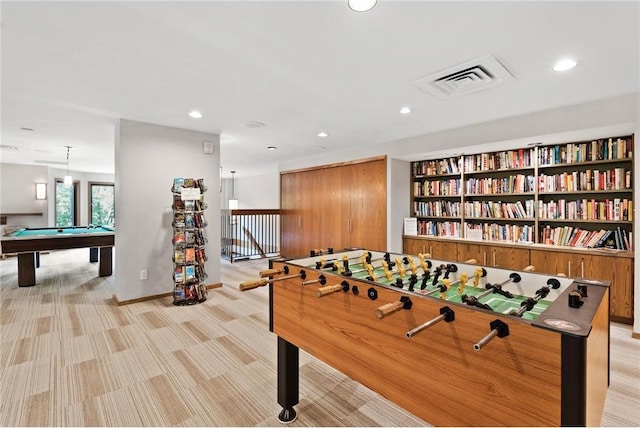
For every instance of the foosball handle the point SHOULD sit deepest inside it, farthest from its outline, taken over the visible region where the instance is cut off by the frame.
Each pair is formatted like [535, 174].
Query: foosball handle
[271, 272]
[472, 261]
[250, 285]
[329, 289]
[530, 268]
[390, 308]
[498, 328]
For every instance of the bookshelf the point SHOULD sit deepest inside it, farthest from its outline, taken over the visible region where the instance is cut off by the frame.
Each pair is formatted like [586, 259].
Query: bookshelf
[571, 195]
[189, 239]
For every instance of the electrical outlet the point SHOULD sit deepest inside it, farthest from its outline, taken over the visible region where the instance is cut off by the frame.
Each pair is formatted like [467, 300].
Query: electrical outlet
[144, 275]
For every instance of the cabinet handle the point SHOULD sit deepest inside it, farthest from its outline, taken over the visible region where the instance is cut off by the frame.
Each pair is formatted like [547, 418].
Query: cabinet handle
[582, 269]
[300, 221]
[494, 259]
[569, 270]
[431, 250]
[484, 259]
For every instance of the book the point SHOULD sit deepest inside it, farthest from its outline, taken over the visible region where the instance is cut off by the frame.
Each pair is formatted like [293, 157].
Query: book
[178, 255]
[189, 220]
[178, 182]
[190, 237]
[189, 182]
[178, 237]
[178, 219]
[189, 255]
[178, 275]
[189, 273]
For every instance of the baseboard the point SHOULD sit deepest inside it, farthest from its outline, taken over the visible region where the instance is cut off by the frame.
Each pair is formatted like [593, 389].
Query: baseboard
[635, 335]
[157, 296]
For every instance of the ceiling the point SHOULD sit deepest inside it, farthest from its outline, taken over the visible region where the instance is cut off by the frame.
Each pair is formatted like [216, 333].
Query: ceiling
[71, 69]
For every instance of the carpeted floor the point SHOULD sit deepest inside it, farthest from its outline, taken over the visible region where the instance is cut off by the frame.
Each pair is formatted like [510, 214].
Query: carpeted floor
[70, 356]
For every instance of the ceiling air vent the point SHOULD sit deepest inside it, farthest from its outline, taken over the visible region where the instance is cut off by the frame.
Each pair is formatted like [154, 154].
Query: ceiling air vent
[9, 148]
[464, 79]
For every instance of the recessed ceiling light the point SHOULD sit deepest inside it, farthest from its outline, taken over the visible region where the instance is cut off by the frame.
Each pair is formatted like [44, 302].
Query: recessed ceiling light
[272, 148]
[565, 64]
[361, 5]
[26, 129]
[322, 134]
[195, 114]
[255, 124]
[405, 110]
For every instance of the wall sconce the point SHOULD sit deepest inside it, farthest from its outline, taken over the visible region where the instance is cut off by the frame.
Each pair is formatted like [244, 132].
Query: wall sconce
[41, 191]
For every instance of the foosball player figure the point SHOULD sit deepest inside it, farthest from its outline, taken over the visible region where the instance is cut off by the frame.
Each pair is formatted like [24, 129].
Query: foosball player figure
[424, 264]
[387, 273]
[372, 275]
[480, 272]
[387, 258]
[413, 280]
[401, 270]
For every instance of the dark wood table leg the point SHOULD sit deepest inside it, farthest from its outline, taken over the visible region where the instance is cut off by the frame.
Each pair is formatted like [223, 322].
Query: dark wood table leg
[106, 262]
[93, 254]
[288, 380]
[26, 269]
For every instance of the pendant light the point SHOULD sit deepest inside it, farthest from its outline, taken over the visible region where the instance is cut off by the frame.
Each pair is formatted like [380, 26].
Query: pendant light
[233, 202]
[68, 180]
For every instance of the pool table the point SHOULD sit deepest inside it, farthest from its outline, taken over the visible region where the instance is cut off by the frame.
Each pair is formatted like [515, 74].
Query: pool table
[27, 243]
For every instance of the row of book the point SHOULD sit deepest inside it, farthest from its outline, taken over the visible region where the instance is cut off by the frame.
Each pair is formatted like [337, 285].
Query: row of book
[501, 232]
[518, 183]
[596, 150]
[190, 219]
[182, 238]
[437, 188]
[615, 209]
[520, 158]
[568, 236]
[189, 183]
[436, 167]
[589, 180]
[439, 228]
[436, 209]
[497, 209]
[189, 274]
[188, 205]
[189, 293]
[189, 255]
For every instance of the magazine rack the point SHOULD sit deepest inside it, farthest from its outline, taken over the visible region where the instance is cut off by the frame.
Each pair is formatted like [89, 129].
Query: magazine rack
[189, 240]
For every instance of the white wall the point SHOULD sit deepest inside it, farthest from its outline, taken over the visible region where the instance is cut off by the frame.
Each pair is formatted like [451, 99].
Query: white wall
[18, 194]
[254, 192]
[398, 197]
[147, 158]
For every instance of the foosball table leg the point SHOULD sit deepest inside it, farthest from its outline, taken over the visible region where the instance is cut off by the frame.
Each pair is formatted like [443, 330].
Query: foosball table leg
[288, 380]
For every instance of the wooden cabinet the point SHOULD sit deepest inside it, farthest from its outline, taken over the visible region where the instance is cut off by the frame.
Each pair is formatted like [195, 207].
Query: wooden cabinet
[468, 251]
[509, 257]
[334, 206]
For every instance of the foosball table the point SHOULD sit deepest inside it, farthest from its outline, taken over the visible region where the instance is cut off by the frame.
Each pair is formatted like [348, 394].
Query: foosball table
[456, 344]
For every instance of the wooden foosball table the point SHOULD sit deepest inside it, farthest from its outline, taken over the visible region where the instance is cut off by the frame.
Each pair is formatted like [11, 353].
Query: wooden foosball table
[456, 344]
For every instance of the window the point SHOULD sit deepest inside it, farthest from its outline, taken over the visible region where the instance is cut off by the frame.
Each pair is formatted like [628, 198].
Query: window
[66, 203]
[102, 204]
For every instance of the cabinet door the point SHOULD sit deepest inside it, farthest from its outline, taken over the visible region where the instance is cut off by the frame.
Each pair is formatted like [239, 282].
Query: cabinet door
[618, 270]
[545, 262]
[311, 211]
[509, 258]
[290, 215]
[368, 219]
[468, 251]
[443, 250]
[414, 246]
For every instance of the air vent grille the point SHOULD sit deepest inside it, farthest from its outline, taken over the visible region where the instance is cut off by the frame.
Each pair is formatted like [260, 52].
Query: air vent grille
[464, 79]
[9, 147]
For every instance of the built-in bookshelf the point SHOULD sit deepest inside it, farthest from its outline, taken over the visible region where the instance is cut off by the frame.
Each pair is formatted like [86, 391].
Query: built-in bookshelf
[189, 240]
[575, 194]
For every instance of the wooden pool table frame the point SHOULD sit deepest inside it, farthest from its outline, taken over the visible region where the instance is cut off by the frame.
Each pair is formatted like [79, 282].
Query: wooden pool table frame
[28, 247]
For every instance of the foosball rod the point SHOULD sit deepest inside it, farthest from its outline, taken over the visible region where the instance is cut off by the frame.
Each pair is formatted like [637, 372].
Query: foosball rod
[498, 328]
[446, 314]
[322, 280]
[249, 285]
[528, 304]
